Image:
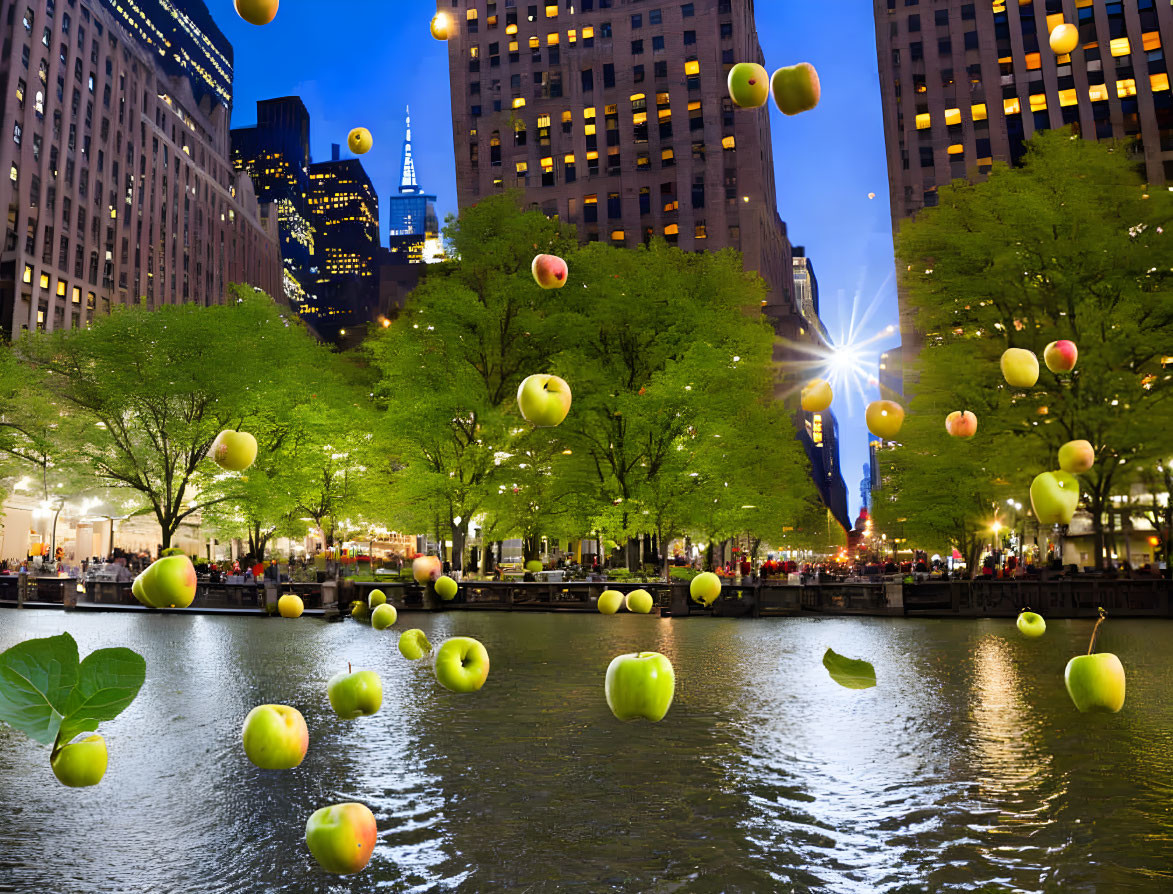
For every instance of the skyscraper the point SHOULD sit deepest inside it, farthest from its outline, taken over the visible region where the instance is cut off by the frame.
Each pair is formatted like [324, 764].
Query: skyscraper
[276, 155]
[185, 40]
[617, 119]
[119, 187]
[411, 214]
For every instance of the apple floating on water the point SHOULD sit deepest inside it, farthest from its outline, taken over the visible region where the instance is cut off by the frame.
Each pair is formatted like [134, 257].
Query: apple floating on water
[413, 644]
[167, 583]
[375, 599]
[275, 737]
[342, 837]
[640, 602]
[550, 271]
[640, 685]
[749, 85]
[1054, 496]
[1061, 356]
[884, 418]
[384, 616]
[446, 588]
[610, 601]
[82, 762]
[1020, 367]
[355, 694]
[234, 451]
[961, 424]
[360, 141]
[360, 612]
[257, 12]
[1064, 39]
[290, 606]
[705, 588]
[1031, 624]
[1077, 457]
[462, 664]
[426, 569]
[1095, 681]
[816, 396]
[544, 400]
[796, 89]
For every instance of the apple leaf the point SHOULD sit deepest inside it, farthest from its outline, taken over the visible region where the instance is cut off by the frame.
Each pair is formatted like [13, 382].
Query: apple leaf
[849, 673]
[108, 681]
[36, 680]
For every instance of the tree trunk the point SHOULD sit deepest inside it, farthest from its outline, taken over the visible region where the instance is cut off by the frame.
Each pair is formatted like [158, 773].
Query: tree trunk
[531, 548]
[663, 541]
[632, 553]
[459, 535]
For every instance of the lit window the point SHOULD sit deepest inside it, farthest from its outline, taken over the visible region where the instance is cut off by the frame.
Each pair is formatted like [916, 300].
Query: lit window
[618, 235]
[1011, 106]
[28, 273]
[522, 167]
[588, 33]
[729, 142]
[1120, 47]
[552, 39]
[1098, 92]
[61, 288]
[534, 43]
[518, 102]
[667, 155]
[543, 120]
[956, 149]
[572, 36]
[1068, 98]
[1034, 61]
[551, 10]
[44, 280]
[76, 295]
[593, 155]
[1038, 102]
[952, 116]
[568, 159]
[1159, 82]
[590, 129]
[979, 112]
[510, 29]
[672, 229]
[700, 232]
[692, 67]
[924, 121]
[1126, 87]
[1151, 40]
[472, 15]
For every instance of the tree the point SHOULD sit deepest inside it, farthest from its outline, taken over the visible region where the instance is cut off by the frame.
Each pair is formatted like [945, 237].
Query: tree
[1071, 245]
[156, 387]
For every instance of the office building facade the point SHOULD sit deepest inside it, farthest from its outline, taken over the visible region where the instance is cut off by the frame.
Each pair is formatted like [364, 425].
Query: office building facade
[412, 226]
[616, 117]
[118, 183]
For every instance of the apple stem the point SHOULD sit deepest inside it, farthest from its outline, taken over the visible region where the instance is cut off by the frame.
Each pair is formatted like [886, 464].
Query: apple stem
[1091, 647]
[349, 668]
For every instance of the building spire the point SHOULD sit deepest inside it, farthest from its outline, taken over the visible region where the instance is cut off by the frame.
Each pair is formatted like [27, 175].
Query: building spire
[407, 183]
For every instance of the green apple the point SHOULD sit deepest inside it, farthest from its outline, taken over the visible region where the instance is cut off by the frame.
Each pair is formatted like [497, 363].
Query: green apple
[640, 685]
[1077, 457]
[360, 141]
[1096, 682]
[544, 400]
[167, 583]
[796, 89]
[961, 424]
[816, 396]
[462, 664]
[234, 451]
[884, 418]
[549, 271]
[355, 694]
[342, 837]
[359, 611]
[1054, 496]
[1061, 356]
[413, 644]
[384, 616]
[375, 599]
[82, 762]
[257, 12]
[640, 602]
[426, 569]
[290, 606]
[609, 602]
[1020, 367]
[1031, 624]
[275, 737]
[749, 85]
[705, 588]
[446, 588]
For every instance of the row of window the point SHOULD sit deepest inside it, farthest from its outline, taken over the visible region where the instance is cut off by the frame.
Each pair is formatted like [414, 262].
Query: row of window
[551, 11]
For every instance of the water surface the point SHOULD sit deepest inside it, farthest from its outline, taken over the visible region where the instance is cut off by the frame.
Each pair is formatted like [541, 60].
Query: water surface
[965, 769]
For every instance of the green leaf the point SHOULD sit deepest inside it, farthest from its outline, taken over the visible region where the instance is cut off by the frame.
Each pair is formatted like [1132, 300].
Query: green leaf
[36, 680]
[108, 681]
[849, 673]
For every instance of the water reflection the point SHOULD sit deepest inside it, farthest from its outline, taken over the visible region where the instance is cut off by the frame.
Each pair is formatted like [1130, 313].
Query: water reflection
[965, 769]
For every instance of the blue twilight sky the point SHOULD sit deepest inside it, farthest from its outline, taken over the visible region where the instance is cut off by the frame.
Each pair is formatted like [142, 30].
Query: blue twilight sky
[364, 67]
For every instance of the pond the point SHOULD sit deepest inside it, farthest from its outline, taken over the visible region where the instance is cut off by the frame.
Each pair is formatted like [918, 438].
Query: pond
[966, 769]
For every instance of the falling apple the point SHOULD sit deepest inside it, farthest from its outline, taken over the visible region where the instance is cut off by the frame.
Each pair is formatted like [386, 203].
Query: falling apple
[1054, 496]
[550, 271]
[1031, 624]
[257, 12]
[82, 762]
[961, 424]
[167, 583]
[816, 396]
[275, 737]
[342, 837]
[1061, 356]
[884, 418]
[360, 141]
[441, 26]
[1020, 367]
[640, 602]
[234, 451]
[384, 616]
[705, 588]
[413, 644]
[544, 400]
[610, 602]
[1064, 39]
[638, 685]
[749, 85]
[355, 693]
[796, 89]
[1095, 681]
[446, 588]
[426, 569]
[376, 598]
[290, 606]
[462, 664]
[1077, 457]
